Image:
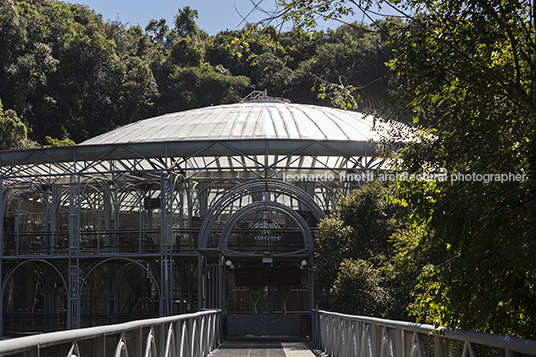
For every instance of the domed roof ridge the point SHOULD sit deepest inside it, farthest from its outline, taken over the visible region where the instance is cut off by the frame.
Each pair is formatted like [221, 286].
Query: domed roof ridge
[258, 118]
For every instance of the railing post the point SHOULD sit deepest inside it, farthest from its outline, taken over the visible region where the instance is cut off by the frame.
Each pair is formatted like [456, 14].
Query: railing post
[331, 336]
[400, 345]
[184, 338]
[99, 346]
[510, 353]
[347, 338]
[338, 336]
[170, 341]
[367, 340]
[418, 344]
[159, 338]
[193, 346]
[388, 342]
[203, 336]
[176, 338]
[354, 339]
[1, 255]
[316, 330]
[440, 346]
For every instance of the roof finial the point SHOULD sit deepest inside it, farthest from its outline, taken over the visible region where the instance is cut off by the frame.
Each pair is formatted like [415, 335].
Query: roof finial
[261, 95]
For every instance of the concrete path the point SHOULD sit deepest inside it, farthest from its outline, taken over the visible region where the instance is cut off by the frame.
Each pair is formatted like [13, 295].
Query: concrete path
[272, 346]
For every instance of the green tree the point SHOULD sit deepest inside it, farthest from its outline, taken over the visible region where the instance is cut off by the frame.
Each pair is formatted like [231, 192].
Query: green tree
[356, 248]
[352, 57]
[256, 53]
[185, 22]
[184, 88]
[160, 33]
[271, 74]
[13, 132]
[69, 74]
[465, 69]
[358, 289]
[188, 51]
[52, 143]
[476, 86]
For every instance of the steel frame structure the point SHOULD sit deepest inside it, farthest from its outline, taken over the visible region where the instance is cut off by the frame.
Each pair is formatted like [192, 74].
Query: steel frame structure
[107, 233]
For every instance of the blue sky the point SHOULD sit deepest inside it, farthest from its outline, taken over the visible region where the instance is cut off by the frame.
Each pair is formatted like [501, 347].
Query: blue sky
[214, 15]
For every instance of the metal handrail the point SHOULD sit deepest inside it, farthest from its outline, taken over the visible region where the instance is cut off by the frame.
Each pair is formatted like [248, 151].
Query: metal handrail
[348, 335]
[194, 334]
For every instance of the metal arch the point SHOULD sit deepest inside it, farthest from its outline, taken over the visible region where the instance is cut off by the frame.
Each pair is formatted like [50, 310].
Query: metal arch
[74, 351]
[5, 279]
[12, 270]
[8, 195]
[121, 349]
[120, 258]
[256, 206]
[250, 187]
[170, 343]
[206, 188]
[150, 344]
[88, 183]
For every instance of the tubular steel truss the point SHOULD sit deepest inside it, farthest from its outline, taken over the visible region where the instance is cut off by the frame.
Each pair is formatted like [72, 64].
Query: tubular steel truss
[101, 234]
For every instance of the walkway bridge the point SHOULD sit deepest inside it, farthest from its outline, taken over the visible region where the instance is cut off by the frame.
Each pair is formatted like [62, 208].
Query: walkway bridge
[333, 334]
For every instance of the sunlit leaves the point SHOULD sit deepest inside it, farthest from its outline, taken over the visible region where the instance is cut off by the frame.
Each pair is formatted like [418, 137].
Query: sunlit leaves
[304, 14]
[358, 289]
[465, 68]
[356, 251]
[51, 142]
[13, 133]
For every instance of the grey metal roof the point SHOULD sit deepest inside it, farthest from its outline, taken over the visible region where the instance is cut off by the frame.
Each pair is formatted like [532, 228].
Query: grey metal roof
[262, 119]
[261, 127]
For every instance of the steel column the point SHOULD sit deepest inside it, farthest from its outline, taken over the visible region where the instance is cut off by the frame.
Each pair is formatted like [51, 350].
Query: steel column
[73, 293]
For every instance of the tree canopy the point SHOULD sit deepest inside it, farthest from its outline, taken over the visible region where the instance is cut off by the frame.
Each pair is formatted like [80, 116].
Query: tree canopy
[69, 75]
[463, 71]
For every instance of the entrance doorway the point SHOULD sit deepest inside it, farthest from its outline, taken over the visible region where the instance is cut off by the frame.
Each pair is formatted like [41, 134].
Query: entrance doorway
[264, 254]
[281, 307]
[280, 287]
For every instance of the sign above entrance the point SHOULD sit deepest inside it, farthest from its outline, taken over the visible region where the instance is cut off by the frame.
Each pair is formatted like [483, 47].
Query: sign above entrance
[266, 231]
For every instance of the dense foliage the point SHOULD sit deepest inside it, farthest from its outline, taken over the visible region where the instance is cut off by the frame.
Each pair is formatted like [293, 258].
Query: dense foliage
[464, 70]
[371, 255]
[473, 78]
[69, 75]
[13, 132]
[354, 245]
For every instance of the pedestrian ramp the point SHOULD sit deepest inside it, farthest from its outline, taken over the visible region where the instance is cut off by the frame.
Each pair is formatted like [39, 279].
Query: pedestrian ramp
[273, 346]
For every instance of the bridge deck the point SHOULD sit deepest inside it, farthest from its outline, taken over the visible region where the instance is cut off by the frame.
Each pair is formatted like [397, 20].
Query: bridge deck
[273, 346]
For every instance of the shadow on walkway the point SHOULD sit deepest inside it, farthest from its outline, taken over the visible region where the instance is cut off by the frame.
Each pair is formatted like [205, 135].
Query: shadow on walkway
[273, 346]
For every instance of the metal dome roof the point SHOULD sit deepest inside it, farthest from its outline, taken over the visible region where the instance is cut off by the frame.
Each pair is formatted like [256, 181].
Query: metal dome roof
[257, 119]
[262, 126]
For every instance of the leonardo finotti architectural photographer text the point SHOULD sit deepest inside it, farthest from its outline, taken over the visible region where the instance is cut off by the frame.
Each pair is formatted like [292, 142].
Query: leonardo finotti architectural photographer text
[404, 176]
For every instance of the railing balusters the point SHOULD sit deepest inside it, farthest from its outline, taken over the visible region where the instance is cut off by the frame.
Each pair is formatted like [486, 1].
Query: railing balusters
[188, 335]
[341, 335]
